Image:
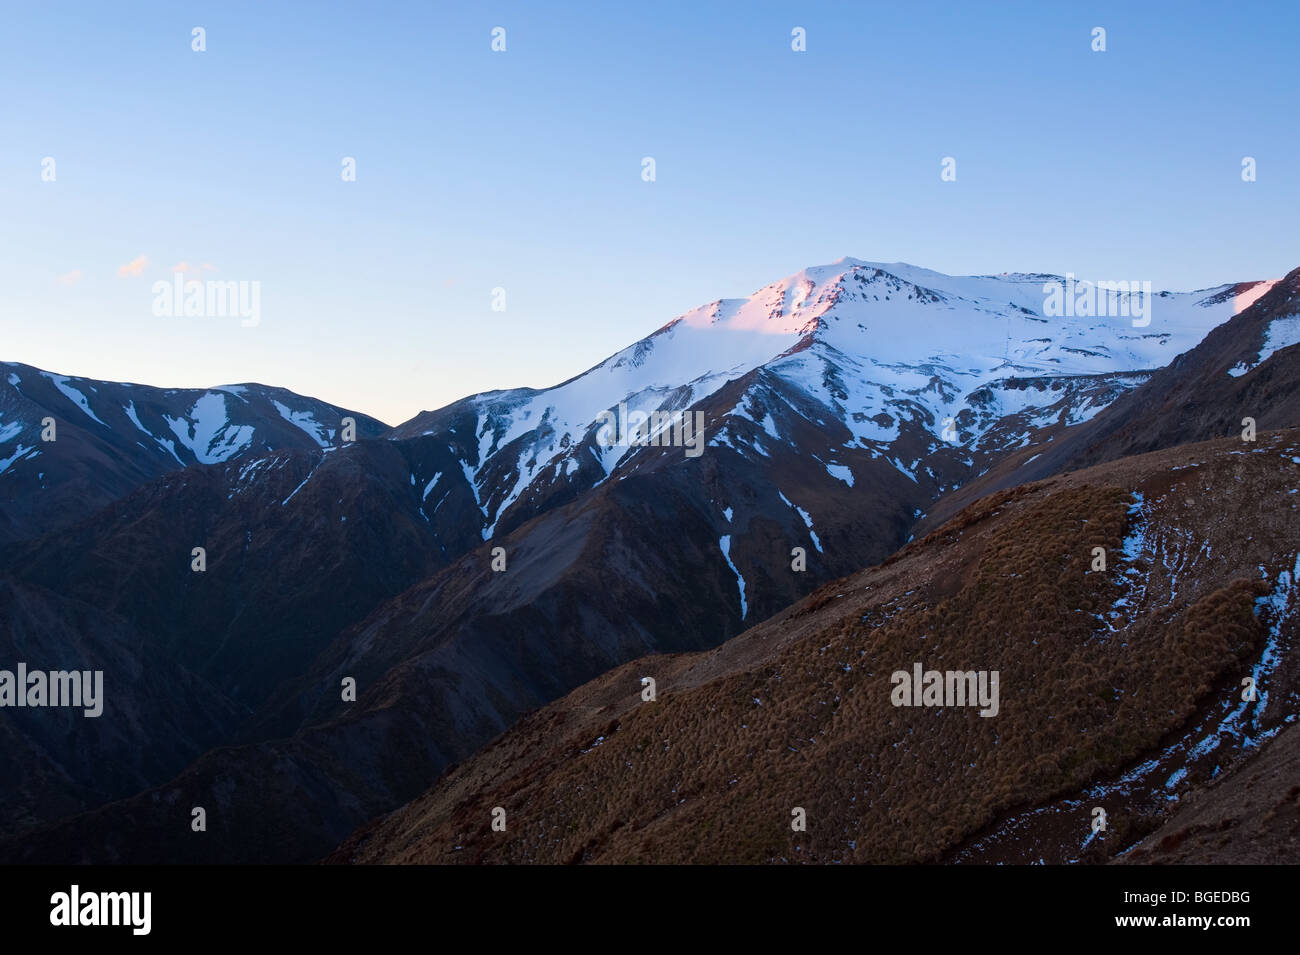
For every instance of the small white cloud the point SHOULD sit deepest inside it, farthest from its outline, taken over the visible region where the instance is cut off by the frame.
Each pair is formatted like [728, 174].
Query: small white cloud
[134, 268]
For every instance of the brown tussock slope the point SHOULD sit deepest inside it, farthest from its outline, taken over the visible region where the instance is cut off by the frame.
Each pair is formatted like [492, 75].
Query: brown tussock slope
[1096, 670]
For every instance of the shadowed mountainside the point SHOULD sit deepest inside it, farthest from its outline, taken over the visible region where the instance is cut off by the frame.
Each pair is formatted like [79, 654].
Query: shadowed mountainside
[1101, 674]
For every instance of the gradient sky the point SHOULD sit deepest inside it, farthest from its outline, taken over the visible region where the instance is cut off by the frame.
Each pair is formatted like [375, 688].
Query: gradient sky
[522, 170]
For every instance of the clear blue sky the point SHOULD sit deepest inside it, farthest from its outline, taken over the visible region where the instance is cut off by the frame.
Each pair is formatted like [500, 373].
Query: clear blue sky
[522, 170]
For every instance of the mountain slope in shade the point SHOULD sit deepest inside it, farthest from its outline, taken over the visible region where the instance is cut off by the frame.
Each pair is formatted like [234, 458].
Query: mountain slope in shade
[1119, 688]
[299, 545]
[161, 715]
[445, 666]
[112, 437]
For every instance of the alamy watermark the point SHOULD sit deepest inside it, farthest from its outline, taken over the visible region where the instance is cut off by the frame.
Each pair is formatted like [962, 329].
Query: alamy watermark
[83, 688]
[129, 909]
[946, 688]
[208, 298]
[1102, 299]
[654, 429]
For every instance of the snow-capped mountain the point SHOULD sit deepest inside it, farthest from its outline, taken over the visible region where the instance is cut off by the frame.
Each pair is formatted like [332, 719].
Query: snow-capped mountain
[908, 361]
[111, 437]
[824, 398]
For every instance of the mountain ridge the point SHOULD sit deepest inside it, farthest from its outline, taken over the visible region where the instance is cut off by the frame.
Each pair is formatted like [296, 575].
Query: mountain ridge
[825, 446]
[110, 438]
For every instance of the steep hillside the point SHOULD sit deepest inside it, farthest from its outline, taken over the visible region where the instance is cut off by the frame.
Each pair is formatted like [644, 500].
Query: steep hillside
[1118, 688]
[298, 546]
[1250, 816]
[164, 714]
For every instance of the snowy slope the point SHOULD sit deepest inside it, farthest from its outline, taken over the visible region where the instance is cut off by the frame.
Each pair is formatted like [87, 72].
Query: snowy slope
[1282, 332]
[929, 373]
[887, 350]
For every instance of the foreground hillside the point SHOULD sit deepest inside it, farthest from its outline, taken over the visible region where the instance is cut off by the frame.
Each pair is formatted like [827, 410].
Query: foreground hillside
[1248, 816]
[1119, 689]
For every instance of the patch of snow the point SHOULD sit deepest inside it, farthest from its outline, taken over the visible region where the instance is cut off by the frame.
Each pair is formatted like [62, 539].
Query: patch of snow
[207, 431]
[167, 444]
[841, 472]
[135, 419]
[23, 452]
[72, 394]
[303, 484]
[305, 422]
[1281, 333]
[724, 544]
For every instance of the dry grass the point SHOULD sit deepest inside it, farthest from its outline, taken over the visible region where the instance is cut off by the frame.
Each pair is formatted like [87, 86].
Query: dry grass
[710, 773]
